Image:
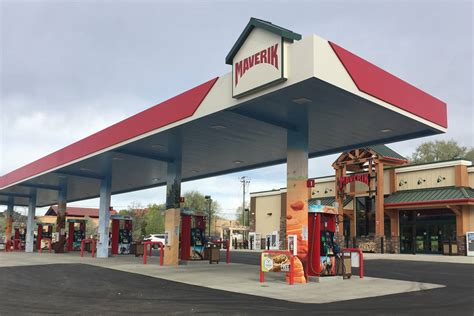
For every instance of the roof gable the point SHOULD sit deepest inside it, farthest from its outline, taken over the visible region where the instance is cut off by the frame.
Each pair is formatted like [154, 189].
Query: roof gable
[268, 26]
[387, 152]
[356, 159]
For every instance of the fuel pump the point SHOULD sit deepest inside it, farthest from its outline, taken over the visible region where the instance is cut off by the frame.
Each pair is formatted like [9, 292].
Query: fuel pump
[19, 237]
[193, 240]
[322, 247]
[76, 233]
[44, 231]
[122, 232]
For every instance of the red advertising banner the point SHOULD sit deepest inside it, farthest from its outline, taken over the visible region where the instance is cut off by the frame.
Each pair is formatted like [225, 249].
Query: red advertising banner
[364, 178]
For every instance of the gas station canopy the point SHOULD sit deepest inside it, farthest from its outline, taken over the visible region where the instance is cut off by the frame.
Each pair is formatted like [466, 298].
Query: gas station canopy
[240, 120]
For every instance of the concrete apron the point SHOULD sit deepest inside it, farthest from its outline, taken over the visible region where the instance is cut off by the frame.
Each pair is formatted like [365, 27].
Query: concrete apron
[238, 278]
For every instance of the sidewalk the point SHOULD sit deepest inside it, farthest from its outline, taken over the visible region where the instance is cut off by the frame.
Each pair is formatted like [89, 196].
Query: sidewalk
[419, 257]
[390, 256]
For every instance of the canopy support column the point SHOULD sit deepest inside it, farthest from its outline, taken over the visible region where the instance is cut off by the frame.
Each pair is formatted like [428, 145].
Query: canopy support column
[61, 217]
[9, 222]
[104, 216]
[30, 224]
[173, 199]
[297, 190]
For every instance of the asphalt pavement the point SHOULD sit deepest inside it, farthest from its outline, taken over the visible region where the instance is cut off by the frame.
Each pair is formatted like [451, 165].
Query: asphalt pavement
[91, 290]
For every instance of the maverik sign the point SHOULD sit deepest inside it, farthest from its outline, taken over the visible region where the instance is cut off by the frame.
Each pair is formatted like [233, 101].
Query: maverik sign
[364, 178]
[265, 56]
[258, 57]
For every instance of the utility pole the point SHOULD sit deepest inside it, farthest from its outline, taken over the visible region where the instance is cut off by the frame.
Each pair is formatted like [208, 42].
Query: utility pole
[245, 182]
[209, 204]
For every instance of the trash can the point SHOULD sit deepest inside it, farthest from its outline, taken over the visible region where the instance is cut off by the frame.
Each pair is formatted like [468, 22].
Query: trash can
[213, 252]
[344, 266]
[136, 248]
[450, 248]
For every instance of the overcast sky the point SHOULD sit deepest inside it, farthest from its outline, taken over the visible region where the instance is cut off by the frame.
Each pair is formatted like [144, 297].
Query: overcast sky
[71, 68]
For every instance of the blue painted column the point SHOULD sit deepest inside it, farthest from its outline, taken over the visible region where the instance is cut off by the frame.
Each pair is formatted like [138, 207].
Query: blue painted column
[104, 216]
[61, 217]
[30, 224]
[173, 176]
[173, 184]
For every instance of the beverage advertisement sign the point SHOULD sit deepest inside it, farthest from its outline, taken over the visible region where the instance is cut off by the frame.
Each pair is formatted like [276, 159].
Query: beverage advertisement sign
[470, 244]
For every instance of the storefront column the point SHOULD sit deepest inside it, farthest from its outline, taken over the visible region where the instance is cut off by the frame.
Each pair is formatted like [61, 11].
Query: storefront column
[340, 172]
[379, 201]
[30, 224]
[104, 216]
[9, 223]
[352, 223]
[394, 223]
[297, 190]
[61, 217]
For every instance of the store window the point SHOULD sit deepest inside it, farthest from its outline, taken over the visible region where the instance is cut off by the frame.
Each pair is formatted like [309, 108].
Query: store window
[365, 216]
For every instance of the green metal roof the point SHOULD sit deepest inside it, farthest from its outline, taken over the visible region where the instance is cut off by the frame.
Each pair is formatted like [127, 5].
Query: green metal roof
[430, 195]
[329, 201]
[268, 26]
[385, 151]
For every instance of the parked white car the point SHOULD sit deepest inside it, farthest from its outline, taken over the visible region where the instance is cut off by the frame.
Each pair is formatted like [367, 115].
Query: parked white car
[156, 237]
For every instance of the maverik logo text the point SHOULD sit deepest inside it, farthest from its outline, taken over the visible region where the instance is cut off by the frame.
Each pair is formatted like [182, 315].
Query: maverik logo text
[266, 56]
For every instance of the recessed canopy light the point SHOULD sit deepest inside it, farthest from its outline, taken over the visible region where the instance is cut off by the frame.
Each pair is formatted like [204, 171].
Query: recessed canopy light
[85, 169]
[157, 146]
[117, 158]
[386, 130]
[237, 162]
[194, 171]
[301, 100]
[218, 127]
[156, 179]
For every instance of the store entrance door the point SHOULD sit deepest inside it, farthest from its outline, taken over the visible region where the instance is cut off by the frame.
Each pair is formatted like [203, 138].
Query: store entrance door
[420, 234]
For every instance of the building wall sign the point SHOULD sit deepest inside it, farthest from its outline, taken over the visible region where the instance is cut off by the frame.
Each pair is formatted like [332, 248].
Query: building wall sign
[258, 63]
[342, 181]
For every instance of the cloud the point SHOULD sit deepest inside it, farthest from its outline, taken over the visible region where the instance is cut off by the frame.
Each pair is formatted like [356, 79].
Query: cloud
[31, 130]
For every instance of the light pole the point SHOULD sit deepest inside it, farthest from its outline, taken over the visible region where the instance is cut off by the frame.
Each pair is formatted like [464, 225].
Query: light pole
[245, 182]
[209, 202]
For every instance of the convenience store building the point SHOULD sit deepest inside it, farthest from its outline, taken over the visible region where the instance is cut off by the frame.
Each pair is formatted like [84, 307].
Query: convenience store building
[424, 206]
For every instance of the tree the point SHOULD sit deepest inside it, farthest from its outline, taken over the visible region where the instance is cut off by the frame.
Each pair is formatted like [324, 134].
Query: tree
[155, 219]
[2, 224]
[470, 155]
[91, 227]
[17, 218]
[439, 150]
[137, 212]
[238, 214]
[196, 201]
